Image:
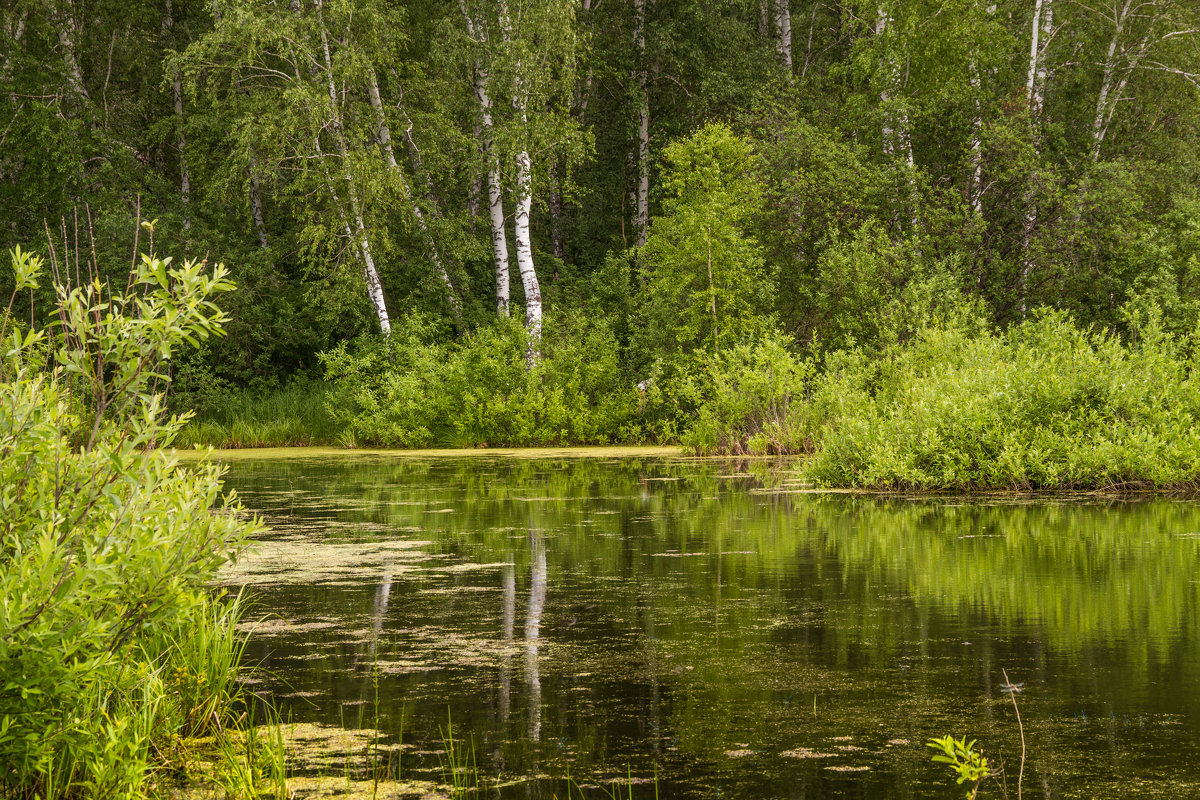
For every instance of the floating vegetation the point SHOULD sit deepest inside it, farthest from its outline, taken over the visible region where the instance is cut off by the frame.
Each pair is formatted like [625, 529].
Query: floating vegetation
[804, 752]
[301, 560]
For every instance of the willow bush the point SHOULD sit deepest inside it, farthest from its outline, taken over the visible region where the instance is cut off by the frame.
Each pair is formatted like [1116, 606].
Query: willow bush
[1044, 405]
[107, 627]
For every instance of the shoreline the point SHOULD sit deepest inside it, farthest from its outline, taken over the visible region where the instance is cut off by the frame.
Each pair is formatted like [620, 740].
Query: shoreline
[598, 451]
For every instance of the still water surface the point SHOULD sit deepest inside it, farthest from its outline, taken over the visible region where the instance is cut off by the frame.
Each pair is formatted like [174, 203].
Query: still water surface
[709, 630]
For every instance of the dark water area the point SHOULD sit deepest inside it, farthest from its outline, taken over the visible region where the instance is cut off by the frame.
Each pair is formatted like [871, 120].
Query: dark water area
[709, 630]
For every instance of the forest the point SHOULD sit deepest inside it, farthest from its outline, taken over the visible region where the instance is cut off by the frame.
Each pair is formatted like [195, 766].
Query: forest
[935, 243]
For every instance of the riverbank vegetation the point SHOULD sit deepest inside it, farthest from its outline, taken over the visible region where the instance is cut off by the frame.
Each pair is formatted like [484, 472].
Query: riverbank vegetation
[647, 222]
[118, 657]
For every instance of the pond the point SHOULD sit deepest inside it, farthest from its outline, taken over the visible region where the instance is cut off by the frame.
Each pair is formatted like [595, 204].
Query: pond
[710, 629]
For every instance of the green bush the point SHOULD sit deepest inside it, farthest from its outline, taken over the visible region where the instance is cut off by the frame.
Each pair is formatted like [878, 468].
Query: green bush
[748, 399]
[1046, 405]
[105, 545]
[413, 392]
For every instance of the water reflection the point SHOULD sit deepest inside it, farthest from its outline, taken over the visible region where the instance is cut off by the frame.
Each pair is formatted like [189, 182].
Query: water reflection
[728, 633]
[533, 625]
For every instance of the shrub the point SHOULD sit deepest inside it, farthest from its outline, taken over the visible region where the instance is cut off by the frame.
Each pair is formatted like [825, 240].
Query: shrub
[411, 391]
[1046, 405]
[105, 546]
[749, 399]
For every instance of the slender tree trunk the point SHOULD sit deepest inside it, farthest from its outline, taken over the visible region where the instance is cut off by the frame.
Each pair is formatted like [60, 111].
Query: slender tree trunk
[256, 205]
[556, 214]
[68, 36]
[1111, 87]
[1041, 28]
[359, 236]
[185, 179]
[641, 219]
[897, 140]
[764, 18]
[521, 220]
[529, 279]
[975, 184]
[384, 133]
[783, 32]
[495, 194]
[495, 201]
[1035, 77]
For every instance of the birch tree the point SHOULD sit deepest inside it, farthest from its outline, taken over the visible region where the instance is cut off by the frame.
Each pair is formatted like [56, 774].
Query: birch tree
[523, 53]
[485, 127]
[1142, 36]
[312, 110]
[783, 35]
[641, 217]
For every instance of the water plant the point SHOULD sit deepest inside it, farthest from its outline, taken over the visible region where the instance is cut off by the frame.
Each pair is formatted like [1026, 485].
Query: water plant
[968, 764]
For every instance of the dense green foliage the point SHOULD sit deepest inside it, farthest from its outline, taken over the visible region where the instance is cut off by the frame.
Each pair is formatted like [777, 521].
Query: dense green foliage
[667, 184]
[113, 648]
[1043, 406]
[415, 391]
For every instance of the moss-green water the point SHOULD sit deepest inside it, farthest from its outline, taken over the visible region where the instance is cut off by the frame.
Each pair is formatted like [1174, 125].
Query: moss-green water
[701, 622]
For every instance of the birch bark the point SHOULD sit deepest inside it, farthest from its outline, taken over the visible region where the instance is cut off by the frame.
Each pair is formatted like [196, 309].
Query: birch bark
[487, 144]
[359, 235]
[783, 32]
[521, 220]
[641, 218]
[384, 134]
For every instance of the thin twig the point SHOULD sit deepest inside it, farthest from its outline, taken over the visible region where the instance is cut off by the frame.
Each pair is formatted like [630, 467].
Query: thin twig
[1012, 695]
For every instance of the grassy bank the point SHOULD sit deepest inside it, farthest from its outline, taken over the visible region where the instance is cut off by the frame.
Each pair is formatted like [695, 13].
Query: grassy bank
[1045, 405]
[292, 416]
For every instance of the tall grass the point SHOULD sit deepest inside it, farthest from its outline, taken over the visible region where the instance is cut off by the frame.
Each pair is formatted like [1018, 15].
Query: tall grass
[291, 416]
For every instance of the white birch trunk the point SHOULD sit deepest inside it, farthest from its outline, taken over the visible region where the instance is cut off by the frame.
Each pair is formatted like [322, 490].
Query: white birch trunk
[1035, 86]
[1039, 37]
[68, 32]
[495, 194]
[641, 219]
[384, 133]
[495, 202]
[783, 32]
[975, 184]
[359, 236]
[521, 220]
[529, 279]
[1031, 76]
